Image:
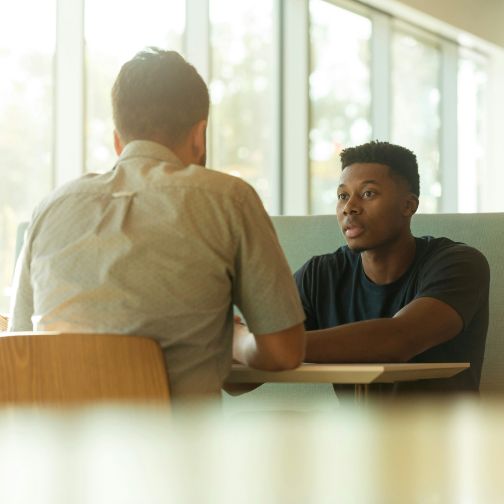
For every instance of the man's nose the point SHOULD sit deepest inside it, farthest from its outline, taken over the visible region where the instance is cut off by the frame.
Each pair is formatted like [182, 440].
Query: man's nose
[351, 206]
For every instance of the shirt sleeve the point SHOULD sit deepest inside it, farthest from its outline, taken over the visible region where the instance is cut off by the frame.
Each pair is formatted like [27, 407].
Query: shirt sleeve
[21, 309]
[459, 276]
[263, 286]
[304, 281]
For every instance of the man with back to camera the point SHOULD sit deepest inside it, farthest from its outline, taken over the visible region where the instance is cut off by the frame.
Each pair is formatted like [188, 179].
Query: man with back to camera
[161, 246]
[388, 296]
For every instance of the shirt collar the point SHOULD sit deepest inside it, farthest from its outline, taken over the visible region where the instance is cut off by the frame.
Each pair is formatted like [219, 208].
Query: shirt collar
[149, 149]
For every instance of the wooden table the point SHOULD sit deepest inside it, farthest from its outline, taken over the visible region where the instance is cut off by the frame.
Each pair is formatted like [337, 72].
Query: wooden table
[360, 375]
[418, 452]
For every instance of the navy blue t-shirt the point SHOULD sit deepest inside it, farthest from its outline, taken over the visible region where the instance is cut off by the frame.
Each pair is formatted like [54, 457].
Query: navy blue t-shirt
[335, 290]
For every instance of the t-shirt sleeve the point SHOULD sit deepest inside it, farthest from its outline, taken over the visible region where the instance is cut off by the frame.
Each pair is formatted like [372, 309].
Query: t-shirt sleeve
[459, 276]
[304, 281]
[263, 287]
[21, 309]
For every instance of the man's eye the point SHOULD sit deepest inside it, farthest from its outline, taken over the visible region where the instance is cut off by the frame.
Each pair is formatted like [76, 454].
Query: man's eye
[367, 194]
[342, 196]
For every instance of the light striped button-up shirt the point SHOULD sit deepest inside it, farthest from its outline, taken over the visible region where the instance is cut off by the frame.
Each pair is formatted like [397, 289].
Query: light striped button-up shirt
[156, 249]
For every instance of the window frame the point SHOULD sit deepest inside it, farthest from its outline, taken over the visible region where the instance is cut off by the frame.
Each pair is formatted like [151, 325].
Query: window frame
[291, 108]
[69, 92]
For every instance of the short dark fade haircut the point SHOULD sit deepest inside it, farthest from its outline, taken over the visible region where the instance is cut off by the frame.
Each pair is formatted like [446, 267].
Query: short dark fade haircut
[158, 95]
[400, 160]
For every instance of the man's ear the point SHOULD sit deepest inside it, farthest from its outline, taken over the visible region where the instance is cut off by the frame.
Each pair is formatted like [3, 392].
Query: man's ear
[411, 205]
[198, 136]
[118, 146]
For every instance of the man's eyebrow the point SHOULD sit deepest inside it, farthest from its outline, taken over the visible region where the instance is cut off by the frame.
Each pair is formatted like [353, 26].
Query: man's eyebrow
[363, 183]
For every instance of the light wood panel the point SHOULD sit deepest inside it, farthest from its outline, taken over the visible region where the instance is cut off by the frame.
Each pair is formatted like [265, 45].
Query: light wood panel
[63, 368]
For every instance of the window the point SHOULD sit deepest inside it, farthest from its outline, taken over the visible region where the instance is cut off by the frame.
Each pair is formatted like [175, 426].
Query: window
[472, 82]
[340, 95]
[27, 45]
[416, 65]
[292, 83]
[157, 23]
[242, 121]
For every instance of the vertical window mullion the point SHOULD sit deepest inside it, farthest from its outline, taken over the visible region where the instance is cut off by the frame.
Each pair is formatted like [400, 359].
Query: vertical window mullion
[296, 108]
[448, 140]
[197, 36]
[380, 76]
[276, 169]
[69, 91]
[197, 47]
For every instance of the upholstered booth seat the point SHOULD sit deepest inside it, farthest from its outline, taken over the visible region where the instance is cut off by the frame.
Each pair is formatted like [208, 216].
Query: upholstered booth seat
[305, 236]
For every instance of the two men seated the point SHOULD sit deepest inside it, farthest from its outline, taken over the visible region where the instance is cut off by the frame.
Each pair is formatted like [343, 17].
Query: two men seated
[162, 247]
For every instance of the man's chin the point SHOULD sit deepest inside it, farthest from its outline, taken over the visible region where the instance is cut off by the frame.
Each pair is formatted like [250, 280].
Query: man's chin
[356, 249]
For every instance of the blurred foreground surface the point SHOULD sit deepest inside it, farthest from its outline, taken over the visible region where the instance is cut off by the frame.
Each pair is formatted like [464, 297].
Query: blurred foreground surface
[411, 452]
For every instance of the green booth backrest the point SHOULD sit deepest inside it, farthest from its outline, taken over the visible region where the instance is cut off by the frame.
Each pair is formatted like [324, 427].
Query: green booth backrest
[305, 236]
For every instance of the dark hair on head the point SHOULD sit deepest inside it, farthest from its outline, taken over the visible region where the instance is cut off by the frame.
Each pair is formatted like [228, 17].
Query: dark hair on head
[158, 95]
[400, 160]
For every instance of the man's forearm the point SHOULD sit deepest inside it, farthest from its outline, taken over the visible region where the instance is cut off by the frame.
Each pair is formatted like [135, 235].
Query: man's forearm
[376, 340]
[273, 352]
[418, 326]
[246, 351]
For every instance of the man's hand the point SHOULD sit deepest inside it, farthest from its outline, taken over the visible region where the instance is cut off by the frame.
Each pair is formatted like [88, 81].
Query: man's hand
[240, 330]
[275, 351]
[3, 323]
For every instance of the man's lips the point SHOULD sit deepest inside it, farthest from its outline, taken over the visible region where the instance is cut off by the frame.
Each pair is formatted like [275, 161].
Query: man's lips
[352, 230]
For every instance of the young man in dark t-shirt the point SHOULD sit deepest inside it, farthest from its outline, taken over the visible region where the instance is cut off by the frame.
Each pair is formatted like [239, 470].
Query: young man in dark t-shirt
[388, 296]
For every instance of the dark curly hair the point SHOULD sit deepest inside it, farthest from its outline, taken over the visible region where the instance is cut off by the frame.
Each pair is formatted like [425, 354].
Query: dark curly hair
[158, 94]
[400, 160]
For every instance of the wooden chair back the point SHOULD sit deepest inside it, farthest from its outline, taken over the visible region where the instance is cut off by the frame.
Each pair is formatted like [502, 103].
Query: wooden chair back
[69, 368]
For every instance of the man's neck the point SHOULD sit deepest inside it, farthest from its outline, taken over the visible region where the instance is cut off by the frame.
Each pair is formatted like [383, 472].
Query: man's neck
[387, 264]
